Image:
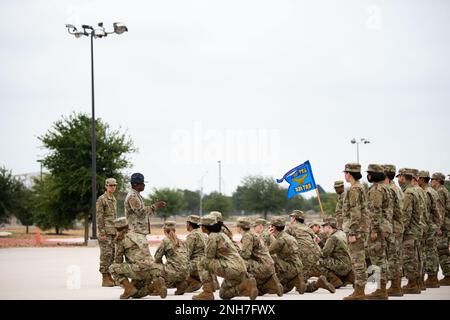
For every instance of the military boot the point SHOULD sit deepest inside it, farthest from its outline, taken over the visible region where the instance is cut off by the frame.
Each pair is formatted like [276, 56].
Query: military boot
[380, 293]
[395, 289]
[107, 281]
[445, 281]
[299, 283]
[181, 288]
[324, 284]
[334, 280]
[248, 288]
[432, 281]
[411, 287]
[193, 284]
[158, 288]
[206, 294]
[358, 294]
[273, 286]
[129, 289]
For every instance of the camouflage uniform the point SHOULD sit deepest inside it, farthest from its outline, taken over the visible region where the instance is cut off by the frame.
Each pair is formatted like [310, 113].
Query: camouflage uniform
[139, 264]
[356, 223]
[106, 209]
[265, 234]
[137, 213]
[309, 250]
[339, 204]
[256, 256]
[335, 256]
[430, 253]
[413, 219]
[176, 266]
[286, 255]
[380, 213]
[222, 259]
[395, 240]
[195, 243]
[443, 238]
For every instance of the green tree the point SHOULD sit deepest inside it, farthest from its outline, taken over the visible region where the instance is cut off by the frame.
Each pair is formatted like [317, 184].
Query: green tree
[191, 201]
[173, 198]
[260, 194]
[218, 202]
[69, 161]
[48, 209]
[14, 199]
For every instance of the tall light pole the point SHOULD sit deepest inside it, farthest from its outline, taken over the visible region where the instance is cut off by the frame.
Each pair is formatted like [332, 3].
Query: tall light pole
[220, 176]
[201, 193]
[98, 32]
[357, 142]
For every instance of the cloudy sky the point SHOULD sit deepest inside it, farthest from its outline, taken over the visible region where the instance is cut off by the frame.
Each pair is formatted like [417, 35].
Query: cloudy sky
[260, 85]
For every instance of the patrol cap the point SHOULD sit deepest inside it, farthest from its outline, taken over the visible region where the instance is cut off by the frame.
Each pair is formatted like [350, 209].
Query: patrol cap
[298, 214]
[424, 174]
[208, 220]
[315, 223]
[401, 172]
[332, 222]
[170, 225]
[137, 178]
[243, 223]
[278, 221]
[353, 167]
[120, 222]
[415, 173]
[375, 168]
[217, 215]
[193, 219]
[110, 181]
[260, 221]
[389, 168]
[438, 176]
[338, 184]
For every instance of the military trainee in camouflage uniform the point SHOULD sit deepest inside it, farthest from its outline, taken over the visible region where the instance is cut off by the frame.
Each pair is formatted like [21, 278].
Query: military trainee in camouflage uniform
[437, 182]
[258, 260]
[222, 259]
[261, 230]
[195, 243]
[380, 213]
[356, 226]
[340, 192]
[395, 240]
[412, 214]
[320, 236]
[430, 253]
[106, 208]
[335, 261]
[176, 268]
[286, 255]
[309, 250]
[425, 223]
[138, 265]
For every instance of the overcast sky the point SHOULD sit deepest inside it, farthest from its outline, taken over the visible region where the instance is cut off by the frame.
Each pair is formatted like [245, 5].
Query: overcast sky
[260, 85]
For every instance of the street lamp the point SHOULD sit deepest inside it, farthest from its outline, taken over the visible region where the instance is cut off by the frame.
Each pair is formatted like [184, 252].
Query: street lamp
[97, 32]
[201, 192]
[354, 141]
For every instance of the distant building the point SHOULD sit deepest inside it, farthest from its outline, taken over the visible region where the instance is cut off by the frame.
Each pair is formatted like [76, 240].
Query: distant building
[28, 178]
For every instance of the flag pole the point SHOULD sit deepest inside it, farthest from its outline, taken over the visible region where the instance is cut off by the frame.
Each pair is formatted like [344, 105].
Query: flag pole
[320, 203]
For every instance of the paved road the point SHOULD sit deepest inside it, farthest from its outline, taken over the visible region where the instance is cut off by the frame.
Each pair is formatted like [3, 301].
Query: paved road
[72, 273]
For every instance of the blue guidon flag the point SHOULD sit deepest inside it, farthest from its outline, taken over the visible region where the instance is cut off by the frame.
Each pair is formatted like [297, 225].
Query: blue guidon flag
[300, 179]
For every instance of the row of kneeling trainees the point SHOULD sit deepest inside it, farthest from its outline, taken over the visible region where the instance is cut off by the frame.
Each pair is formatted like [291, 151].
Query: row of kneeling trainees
[385, 232]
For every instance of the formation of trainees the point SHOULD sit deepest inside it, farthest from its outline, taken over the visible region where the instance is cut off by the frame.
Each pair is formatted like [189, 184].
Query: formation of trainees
[386, 232]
